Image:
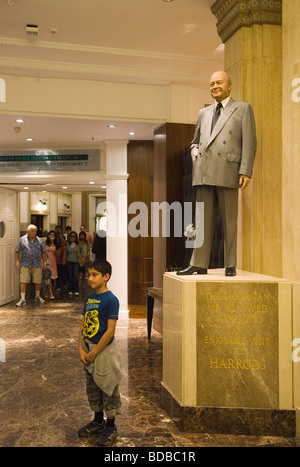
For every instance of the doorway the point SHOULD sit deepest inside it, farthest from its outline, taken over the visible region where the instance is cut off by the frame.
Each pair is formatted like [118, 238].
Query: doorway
[38, 221]
[63, 221]
[9, 289]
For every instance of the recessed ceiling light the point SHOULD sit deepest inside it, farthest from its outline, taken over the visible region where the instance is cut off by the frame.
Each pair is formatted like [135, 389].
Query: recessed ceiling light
[64, 187]
[111, 126]
[168, 1]
[20, 120]
[131, 133]
[92, 183]
[26, 187]
[32, 29]
[29, 140]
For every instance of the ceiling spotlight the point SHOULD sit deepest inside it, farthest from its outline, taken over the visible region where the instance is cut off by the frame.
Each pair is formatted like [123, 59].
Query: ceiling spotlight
[92, 183]
[32, 29]
[20, 120]
[168, 1]
[29, 140]
[111, 126]
[64, 187]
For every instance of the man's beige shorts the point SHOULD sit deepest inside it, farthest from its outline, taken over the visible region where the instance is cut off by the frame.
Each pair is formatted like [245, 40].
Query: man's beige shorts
[26, 273]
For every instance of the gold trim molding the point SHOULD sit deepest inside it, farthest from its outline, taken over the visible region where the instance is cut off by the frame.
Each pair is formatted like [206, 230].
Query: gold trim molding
[234, 14]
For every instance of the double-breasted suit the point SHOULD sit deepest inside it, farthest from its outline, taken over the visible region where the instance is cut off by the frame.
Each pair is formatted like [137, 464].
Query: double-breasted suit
[219, 159]
[229, 151]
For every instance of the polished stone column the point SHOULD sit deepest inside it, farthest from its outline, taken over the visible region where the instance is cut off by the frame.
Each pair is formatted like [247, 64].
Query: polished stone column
[290, 172]
[252, 32]
[117, 232]
[291, 141]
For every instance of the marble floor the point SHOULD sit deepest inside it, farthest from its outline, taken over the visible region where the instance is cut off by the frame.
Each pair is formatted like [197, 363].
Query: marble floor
[42, 385]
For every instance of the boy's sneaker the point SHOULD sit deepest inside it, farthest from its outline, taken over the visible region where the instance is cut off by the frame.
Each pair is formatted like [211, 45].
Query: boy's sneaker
[107, 436]
[21, 302]
[39, 300]
[91, 428]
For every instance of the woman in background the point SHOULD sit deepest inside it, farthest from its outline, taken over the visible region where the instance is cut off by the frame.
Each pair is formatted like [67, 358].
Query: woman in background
[61, 281]
[52, 247]
[71, 258]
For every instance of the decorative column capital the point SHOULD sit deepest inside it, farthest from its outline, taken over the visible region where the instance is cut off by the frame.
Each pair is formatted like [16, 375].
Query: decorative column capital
[234, 14]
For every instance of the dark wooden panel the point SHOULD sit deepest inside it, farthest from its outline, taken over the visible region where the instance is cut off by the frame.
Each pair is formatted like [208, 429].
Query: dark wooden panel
[179, 137]
[170, 141]
[140, 249]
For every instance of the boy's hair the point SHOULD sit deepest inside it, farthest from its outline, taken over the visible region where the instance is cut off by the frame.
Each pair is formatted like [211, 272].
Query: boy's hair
[102, 266]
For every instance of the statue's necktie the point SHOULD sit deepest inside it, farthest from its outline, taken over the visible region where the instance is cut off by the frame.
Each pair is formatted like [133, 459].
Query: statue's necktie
[216, 116]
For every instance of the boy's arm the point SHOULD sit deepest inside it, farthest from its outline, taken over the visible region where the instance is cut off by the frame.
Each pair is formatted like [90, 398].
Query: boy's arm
[82, 352]
[105, 339]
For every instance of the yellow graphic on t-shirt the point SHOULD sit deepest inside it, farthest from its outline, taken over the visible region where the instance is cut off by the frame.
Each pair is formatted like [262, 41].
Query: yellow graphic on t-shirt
[91, 323]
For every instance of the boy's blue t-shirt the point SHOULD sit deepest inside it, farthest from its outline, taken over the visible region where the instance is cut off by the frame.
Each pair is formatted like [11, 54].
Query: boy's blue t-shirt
[97, 310]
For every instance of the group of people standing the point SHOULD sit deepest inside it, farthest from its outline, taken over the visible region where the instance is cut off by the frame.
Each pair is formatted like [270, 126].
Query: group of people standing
[68, 256]
[65, 255]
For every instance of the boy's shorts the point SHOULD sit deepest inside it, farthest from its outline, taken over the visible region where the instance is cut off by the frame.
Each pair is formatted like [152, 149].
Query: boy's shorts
[26, 273]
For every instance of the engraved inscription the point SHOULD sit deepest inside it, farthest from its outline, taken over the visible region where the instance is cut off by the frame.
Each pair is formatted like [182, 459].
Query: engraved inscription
[237, 343]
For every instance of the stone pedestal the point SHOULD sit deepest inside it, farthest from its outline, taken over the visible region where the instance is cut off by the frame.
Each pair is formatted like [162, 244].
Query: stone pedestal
[227, 363]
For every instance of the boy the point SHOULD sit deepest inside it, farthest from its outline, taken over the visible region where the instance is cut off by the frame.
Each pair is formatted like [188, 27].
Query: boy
[100, 355]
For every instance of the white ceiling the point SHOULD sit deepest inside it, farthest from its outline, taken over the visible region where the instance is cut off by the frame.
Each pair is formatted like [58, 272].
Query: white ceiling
[147, 41]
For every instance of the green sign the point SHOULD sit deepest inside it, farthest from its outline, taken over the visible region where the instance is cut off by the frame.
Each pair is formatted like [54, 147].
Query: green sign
[50, 161]
[42, 158]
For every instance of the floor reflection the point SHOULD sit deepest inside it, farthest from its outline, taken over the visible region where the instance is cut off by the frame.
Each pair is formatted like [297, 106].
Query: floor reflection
[42, 385]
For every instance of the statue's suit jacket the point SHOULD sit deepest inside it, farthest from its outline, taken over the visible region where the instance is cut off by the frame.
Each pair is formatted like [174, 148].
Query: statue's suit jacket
[229, 151]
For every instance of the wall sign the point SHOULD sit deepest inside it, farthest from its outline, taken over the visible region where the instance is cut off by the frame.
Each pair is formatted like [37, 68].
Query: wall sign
[38, 161]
